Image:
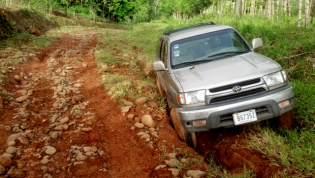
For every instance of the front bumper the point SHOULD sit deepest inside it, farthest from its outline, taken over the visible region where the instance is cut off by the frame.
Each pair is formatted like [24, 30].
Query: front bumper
[220, 115]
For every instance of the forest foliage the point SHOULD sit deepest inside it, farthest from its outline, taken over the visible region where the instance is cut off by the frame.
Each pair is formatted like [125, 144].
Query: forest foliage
[147, 10]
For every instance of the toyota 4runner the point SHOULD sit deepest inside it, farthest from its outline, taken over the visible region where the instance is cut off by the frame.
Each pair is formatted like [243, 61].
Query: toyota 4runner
[212, 78]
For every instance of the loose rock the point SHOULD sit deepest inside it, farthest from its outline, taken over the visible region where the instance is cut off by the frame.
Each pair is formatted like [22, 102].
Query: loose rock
[174, 171]
[148, 121]
[160, 167]
[172, 163]
[196, 173]
[54, 135]
[5, 161]
[44, 161]
[64, 120]
[139, 125]
[50, 150]
[141, 100]
[11, 150]
[80, 157]
[21, 99]
[125, 109]
[17, 78]
[24, 140]
[130, 116]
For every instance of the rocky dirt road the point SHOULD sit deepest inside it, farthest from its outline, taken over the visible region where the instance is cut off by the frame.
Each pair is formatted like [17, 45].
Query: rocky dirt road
[60, 122]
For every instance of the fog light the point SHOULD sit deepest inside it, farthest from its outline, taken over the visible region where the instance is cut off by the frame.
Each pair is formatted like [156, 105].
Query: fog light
[284, 104]
[199, 123]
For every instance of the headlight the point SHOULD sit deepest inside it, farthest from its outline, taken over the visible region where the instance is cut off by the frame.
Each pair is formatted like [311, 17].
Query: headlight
[276, 80]
[194, 97]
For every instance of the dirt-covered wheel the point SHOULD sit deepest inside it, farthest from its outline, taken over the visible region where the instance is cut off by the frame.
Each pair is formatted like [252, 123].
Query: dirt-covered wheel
[160, 89]
[189, 138]
[286, 120]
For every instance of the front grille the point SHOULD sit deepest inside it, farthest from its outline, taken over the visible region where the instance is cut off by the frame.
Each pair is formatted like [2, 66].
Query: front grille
[259, 111]
[237, 95]
[229, 87]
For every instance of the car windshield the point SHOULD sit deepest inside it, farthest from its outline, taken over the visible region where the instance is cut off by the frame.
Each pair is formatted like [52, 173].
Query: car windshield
[207, 47]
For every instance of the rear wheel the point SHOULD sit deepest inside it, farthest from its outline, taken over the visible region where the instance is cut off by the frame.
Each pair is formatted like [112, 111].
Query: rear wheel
[189, 137]
[286, 120]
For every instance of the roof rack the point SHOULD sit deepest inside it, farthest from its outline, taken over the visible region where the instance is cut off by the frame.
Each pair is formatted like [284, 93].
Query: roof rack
[167, 33]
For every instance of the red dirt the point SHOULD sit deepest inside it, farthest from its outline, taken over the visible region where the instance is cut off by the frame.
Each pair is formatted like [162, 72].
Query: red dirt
[228, 149]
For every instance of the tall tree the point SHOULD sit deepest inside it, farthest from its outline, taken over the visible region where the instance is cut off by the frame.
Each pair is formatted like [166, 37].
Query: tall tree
[300, 12]
[252, 7]
[312, 11]
[307, 8]
[261, 7]
[238, 8]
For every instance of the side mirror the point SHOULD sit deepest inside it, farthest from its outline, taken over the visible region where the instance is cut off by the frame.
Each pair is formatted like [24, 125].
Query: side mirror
[159, 66]
[257, 43]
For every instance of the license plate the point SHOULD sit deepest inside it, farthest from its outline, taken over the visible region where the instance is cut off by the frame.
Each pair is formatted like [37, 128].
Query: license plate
[245, 117]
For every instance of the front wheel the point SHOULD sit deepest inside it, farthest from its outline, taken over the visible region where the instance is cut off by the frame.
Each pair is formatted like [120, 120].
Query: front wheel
[189, 138]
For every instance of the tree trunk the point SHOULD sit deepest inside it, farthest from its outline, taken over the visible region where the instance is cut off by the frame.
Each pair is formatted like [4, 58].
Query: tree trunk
[261, 7]
[312, 11]
[252, 7]
[288, 8]
[300, 13]
[307, 5]
[238, 8]
[269, 9]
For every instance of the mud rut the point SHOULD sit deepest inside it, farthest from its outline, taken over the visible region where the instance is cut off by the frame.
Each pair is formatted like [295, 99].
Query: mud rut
[95, 139]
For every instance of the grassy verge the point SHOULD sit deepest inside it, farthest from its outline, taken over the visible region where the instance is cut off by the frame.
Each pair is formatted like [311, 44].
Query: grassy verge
[295, 148]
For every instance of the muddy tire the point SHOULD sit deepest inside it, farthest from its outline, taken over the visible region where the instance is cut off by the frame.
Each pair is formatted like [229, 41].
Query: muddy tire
[286, 120]
[160, 89]
[189, 138]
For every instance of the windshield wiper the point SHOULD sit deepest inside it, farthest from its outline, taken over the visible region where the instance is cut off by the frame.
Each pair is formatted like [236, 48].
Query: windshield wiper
[230, 53]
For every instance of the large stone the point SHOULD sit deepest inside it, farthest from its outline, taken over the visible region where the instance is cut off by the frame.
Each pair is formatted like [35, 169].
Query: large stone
[141, 100]
[127, 103]
[64, 120]
[17, 78]
[21, 99]
[44, 161]
[139, 125]
[5, 161]
[174, 171]
[11, 150]
[2, 169]
[13, 137]
[173, 163]
[196, 173]
[148, 121]
[160, 167]
[50, 150]
[54, 135]
[125, 109]
[24, 140]
[80, 157]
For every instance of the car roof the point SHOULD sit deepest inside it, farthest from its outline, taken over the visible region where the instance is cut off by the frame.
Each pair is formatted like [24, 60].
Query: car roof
[195, 30]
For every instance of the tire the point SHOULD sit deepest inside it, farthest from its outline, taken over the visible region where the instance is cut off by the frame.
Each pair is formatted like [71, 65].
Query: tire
[160, 88]
[189, 138]
[286, 120]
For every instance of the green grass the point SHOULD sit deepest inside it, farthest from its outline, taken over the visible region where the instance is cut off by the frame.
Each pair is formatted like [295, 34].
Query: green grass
[293, 148]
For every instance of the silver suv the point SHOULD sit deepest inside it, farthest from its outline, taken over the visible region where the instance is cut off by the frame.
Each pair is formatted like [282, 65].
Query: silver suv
[212, 78]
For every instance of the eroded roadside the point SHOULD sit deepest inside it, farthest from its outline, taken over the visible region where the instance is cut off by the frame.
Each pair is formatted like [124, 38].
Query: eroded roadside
[61, 120]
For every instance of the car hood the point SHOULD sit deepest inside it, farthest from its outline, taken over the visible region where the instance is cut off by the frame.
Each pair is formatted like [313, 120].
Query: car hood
[225, 71]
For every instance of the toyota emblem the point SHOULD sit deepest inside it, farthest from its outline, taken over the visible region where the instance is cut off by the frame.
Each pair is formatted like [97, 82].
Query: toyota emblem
[237, 89]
